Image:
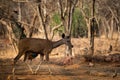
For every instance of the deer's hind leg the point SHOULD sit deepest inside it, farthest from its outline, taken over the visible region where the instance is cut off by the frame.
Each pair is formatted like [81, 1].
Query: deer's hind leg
[18, 57]
[41, 57]
[15, 60]
[47, 57]
[47, 62]
[25, 56]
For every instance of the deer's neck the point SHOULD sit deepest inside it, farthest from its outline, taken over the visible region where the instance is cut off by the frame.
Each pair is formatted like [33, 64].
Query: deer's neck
[57, 43]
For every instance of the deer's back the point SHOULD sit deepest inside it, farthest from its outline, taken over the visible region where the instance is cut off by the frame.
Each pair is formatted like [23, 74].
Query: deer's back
[35, 44]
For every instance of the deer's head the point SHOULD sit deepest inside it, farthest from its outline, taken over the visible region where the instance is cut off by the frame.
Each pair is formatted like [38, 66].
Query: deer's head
[66, 40]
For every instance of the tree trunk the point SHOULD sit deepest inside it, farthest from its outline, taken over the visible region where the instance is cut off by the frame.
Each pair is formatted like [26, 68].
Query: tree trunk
[43, 20]
[92, 26]
[92, 37]
[66, 17]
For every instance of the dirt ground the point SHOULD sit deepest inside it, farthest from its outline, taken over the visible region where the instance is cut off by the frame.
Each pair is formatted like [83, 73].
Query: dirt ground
[78, 69]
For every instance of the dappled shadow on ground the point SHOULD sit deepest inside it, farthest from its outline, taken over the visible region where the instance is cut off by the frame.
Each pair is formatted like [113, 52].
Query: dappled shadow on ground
[78, 70]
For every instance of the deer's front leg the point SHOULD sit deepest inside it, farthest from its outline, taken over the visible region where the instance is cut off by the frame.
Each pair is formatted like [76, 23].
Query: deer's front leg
[41, 60]
[47, 57]
[47, 62]
[41, 57]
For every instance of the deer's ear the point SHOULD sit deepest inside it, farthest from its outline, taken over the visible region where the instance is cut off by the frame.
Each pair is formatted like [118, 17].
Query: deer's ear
[63, 35]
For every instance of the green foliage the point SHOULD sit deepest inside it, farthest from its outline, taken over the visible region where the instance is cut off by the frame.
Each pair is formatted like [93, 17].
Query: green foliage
[79, 27]
[56, 21]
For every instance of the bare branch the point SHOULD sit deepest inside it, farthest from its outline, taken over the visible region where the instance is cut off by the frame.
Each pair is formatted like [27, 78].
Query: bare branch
[32, 24]
[54, 28]
[43, 23]
[61, 9]
[72, 6]
[113, 14]
[23, 23]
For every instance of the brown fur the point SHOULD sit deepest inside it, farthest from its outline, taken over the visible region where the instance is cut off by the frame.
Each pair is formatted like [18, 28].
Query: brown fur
[39, 46]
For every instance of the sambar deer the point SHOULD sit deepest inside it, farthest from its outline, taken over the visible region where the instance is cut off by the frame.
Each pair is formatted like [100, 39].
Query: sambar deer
[39, 46]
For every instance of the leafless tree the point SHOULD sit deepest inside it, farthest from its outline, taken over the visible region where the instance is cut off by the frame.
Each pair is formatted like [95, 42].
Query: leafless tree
[66, 10]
